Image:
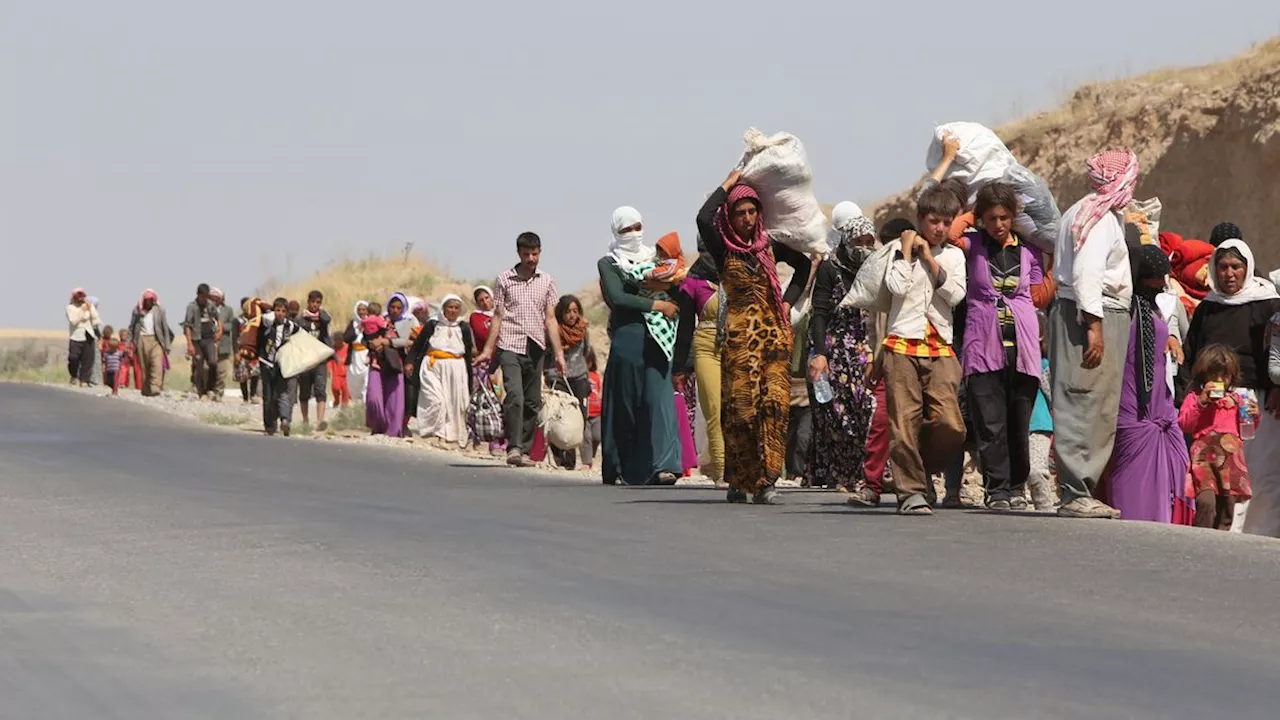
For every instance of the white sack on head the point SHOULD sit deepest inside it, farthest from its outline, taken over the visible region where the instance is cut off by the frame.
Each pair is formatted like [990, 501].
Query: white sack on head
[778, 169]
[982, 157]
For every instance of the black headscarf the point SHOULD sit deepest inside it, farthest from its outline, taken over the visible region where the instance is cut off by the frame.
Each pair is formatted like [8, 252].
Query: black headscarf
[1223, 232]
[704, 268]
[1150, 263]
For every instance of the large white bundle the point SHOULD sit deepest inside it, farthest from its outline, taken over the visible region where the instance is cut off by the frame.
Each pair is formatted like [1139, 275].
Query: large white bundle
[778, 169]
[982, 157]
[869, 291]
[561, 419]
[302, 353]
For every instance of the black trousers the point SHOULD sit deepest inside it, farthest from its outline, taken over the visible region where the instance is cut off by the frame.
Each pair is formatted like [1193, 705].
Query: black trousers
[799, 442]
[1000, 404]
[80, 358]
[522, 382]
[204, 366]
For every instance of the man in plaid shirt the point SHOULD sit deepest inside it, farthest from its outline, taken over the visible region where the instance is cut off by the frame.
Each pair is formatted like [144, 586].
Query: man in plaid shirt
[524, 323]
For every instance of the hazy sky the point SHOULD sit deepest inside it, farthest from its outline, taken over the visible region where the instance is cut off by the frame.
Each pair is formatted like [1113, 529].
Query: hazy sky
[164, 143]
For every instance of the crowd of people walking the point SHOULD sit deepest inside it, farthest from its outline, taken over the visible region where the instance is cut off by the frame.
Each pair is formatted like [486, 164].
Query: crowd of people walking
[1078, 380]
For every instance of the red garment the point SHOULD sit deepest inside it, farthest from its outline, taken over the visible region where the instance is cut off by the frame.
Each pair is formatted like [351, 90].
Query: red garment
[480, 323]
[595, 405]
[877, 460]
[1199, 420]
[338, 363]
[1189, 259]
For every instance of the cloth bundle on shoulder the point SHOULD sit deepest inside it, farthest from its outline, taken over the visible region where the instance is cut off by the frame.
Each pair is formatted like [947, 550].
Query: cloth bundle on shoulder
[869, 291]
[561, 418]
[302, 353]
[1145, 215]
[778, 169]
[983, 158]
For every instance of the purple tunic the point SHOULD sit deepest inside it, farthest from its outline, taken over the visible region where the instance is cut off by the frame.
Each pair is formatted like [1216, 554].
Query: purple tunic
[384, 403]
[983, 349]
[1149, 463]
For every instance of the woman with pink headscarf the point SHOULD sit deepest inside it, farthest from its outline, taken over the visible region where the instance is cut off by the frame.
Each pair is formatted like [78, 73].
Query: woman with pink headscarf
[150, 330]
[1089, 329]
[756, 352]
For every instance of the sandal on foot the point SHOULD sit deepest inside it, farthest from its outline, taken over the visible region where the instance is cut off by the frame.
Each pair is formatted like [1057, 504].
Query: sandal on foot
[736, 496]
[915, 505]
[767, 496]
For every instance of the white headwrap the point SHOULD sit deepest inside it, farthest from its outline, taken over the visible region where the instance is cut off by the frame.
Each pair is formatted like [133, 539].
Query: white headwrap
[440, 318]
[475, 292]
[1255, 288]
[355, 322]
[628, 249]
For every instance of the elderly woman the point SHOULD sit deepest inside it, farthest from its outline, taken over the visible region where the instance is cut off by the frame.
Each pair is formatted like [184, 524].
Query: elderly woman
[756, 353]
[443, 350]
[841, 338]
[357, 357]
[1236, 313]
[1150, 461]
[83, 327]
[640, 444]
[1001, 351]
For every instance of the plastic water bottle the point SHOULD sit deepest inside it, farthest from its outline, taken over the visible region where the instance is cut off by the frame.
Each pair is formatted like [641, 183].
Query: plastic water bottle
[822, 389]
[1247, 428]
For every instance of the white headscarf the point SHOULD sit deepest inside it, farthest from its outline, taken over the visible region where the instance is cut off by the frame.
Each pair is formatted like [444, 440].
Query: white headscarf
[440, 318]
[1255, 288]
[843, 216]
[628, 249]
[475, 292]
[355, 322]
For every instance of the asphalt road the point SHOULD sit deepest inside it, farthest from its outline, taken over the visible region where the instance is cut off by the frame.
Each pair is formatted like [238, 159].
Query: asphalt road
[153, 569]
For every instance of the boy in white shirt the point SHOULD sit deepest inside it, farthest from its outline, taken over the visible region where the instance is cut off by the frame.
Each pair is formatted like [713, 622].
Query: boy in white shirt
[926, 280]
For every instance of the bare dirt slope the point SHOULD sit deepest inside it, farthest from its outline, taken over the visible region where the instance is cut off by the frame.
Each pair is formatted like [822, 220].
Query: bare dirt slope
[1208, 138]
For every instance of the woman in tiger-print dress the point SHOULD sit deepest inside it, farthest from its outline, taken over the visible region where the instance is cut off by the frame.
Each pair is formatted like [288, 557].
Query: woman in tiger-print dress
[756, 353]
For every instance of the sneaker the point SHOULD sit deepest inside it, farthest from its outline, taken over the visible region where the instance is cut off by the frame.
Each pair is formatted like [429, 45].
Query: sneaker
[999, 505]
[1018, 503]
[863, 496]
[285, 427]
[767, 496]
[1088, 508]
[736, 496]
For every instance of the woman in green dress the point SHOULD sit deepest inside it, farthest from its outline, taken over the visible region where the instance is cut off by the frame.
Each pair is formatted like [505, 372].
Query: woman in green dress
[640, 443]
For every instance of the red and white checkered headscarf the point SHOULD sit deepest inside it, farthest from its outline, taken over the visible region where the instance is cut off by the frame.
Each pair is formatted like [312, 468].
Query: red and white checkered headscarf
[1114, 176]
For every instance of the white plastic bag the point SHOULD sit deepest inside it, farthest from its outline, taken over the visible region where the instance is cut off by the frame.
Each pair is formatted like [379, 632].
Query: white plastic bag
[869, 291]
[561, 419]
[301, 353]
[1039, 219]
[1145, 214]
[982, 158]
[778, 169]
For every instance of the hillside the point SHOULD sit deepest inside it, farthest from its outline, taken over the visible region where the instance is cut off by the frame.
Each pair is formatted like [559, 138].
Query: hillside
[1208, 139]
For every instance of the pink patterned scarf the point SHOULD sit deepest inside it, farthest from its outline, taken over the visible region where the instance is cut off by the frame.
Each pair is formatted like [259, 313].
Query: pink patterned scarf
[1114, 176]
[761, 247]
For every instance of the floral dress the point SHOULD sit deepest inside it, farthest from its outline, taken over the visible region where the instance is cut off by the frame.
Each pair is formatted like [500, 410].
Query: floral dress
[840, 427]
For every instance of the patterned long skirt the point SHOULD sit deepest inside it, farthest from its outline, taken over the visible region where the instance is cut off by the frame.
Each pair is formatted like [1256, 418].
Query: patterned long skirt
[841, 426]
[755, 378]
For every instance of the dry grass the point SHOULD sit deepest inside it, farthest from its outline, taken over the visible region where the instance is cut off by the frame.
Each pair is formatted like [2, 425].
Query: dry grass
[20, 334]
[373, 278]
